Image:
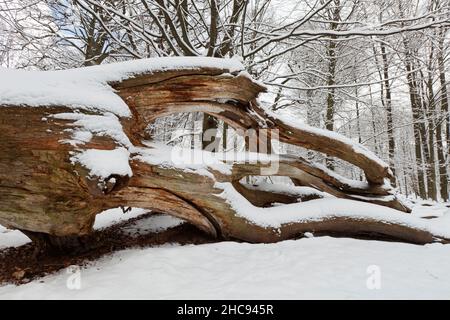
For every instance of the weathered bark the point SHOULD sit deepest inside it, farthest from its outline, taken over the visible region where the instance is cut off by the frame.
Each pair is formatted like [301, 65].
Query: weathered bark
[43, 191]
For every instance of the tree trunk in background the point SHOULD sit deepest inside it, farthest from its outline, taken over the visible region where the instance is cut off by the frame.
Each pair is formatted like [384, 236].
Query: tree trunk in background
[331, 81]
[416, 112]
[358, 124]
[429, 174]
[443, 180]
[431, 162]
[388, 106]
[95, 43]
[374, 127]
[335, 16]
[444, 110]
[224, 137]
[209, 133]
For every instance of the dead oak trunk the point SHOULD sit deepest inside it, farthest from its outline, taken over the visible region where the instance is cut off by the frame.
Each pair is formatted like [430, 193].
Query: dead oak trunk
[44, 191]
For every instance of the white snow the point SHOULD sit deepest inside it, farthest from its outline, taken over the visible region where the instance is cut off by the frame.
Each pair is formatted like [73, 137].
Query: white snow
[153, 224]
[88, 88]
[11, 238]
[103, 163]
[287, 189]
[81, 137]
[101, 125]
[433, 210]
[111, 217]
[368, 198]
[313, 268]
[320, 209]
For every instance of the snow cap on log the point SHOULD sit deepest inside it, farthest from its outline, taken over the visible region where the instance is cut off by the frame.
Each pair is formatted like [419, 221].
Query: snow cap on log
[89, 88]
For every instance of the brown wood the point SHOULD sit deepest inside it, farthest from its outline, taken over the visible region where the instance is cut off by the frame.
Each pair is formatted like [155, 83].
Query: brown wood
[43, 192]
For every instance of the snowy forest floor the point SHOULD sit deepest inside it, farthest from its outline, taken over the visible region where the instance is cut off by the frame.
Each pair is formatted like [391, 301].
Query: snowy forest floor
[19, 263]
[159, 257]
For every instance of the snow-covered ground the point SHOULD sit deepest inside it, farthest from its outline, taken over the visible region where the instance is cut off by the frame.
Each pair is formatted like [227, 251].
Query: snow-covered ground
[11, 238]
[310, 268]
[323, 268]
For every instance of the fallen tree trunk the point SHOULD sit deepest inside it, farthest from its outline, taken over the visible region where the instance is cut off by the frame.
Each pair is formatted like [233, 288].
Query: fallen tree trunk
[63, 163]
